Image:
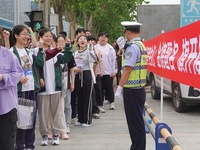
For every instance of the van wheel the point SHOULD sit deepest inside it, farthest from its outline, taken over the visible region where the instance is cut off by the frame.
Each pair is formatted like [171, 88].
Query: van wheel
[178, 103]
[155, 94]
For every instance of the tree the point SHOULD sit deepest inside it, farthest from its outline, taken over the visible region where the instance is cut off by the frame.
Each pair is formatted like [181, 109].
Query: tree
[96, 15]
[106, 15]
[68, 10]
[59, 8]
[71, 15]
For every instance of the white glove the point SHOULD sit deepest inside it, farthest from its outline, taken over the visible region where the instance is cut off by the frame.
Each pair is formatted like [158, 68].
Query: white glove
[1, 77]
[121, 42]
[118, 92]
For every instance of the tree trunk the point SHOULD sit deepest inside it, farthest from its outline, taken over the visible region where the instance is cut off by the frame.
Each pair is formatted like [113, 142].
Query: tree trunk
[70, 14]
[60, 22]
[41, 5]
[95, 29]
[71, 17]
[90, 24]
[72, 27]
[59, 9]
[85, 20]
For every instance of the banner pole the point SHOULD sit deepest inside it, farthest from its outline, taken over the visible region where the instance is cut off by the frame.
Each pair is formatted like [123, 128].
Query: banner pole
[161, 95]
[161, 100]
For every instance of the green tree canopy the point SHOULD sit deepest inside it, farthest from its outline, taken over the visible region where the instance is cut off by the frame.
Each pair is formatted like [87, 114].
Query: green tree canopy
[106, 15]
[97, 15]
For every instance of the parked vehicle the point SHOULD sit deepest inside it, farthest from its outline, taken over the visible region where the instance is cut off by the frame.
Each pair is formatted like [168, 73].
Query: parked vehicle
[183, 95]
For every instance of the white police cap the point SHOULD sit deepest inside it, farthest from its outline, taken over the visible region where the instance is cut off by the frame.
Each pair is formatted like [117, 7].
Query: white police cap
[131, 24]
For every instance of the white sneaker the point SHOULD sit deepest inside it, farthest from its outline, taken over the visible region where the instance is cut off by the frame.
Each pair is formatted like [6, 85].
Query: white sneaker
[78, 124]
[68, 130]
[86, 125]
[56, 140]
[96, 116]
[44, 141]
[112, 106]
[101, 109]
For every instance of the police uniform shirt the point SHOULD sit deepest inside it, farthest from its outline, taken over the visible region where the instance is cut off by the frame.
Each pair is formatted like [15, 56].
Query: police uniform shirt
[132, 54]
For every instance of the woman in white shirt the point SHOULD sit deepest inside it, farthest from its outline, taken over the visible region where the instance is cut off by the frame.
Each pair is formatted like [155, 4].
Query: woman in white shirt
[27, 88]
[49, 98]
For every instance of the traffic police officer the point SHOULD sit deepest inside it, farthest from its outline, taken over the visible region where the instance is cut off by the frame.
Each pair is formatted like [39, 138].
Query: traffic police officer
[132, 83]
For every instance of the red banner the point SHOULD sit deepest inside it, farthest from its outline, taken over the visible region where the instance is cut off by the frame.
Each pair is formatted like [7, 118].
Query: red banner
[176, 55]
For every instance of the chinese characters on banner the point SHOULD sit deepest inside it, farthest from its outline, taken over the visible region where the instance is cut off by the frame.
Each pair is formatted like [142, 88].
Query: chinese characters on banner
[176, 55]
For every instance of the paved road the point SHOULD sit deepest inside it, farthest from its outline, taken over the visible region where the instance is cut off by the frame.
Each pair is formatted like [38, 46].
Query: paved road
[110, 132]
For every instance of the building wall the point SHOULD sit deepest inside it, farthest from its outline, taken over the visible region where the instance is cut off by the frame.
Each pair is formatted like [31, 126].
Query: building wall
[14, 10]
[7, 9]
[156, 18]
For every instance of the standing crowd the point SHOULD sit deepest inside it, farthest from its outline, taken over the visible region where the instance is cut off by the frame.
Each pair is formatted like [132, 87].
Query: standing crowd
[61, 81]
[66, 82]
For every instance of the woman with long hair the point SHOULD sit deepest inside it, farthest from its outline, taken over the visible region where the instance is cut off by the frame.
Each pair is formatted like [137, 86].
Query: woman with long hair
[84, 81]
[27, 87]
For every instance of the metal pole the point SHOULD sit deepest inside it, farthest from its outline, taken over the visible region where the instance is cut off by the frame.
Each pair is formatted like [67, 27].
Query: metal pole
[161, 96]
[149, 127]
[46, 13]
[161, 102]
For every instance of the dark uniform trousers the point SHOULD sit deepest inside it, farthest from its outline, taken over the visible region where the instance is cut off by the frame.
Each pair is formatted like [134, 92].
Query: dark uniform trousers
[134, 100]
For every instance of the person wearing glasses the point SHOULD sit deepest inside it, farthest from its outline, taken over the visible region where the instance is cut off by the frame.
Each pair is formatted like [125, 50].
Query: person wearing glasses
[27, 87]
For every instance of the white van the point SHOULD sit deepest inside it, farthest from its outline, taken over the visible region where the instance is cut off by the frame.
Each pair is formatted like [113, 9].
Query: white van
[182, 95]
